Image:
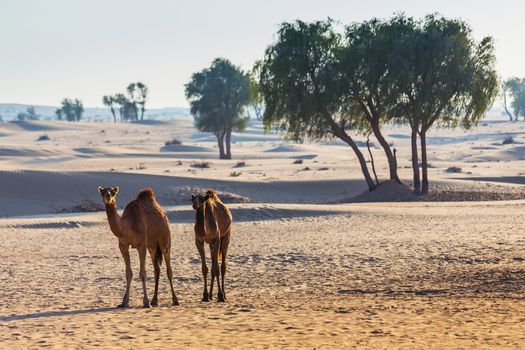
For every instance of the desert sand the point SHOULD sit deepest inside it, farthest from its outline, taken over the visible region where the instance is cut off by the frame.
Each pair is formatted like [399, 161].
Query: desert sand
[314, 262]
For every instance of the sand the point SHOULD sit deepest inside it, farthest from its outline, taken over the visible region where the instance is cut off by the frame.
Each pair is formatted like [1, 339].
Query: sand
[305, 269]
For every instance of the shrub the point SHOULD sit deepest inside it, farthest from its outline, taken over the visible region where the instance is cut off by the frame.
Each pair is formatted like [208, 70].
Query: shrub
[453, 169]
[235, 173]
[298, 161]
[507, 140]
[43, 138]
[240, 165]
[201, 165]
[173, 142]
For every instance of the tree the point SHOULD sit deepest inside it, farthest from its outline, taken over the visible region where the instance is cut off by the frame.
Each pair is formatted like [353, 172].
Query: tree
[143, 96]
[218, 96]
[29, 114]
[302, 88]
[58, 113]
[71, 109]
[122, 102]
[110, 102]
[365, 65]
[133, 97]
[516, 87]
[78, 109]
[443, 77]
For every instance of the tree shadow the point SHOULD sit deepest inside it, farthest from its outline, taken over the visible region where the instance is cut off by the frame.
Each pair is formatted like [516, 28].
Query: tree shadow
[58, 314]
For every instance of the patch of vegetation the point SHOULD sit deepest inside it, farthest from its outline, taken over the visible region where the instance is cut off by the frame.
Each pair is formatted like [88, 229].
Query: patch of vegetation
[298, 161]
[201, 165]
[173, 142]
[43, 138]
[507, 140]
[240, 165]
[235, 173]
[453, 169]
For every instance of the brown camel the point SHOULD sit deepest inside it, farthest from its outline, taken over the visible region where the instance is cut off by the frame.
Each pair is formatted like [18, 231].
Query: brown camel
[144, 226]
[213, 222]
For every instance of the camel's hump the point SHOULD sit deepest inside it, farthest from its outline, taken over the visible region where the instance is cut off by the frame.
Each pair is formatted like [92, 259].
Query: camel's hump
[146, 194]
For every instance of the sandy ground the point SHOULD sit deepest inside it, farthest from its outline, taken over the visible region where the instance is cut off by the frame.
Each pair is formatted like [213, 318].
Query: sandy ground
[302, 273]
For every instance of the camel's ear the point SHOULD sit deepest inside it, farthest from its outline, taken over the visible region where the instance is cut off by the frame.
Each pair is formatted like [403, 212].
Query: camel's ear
[192, 197]
[115, 190]
[101, 190]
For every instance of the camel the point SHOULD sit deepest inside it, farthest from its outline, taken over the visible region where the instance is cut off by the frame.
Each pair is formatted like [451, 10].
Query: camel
[213, 223]
[144, 226]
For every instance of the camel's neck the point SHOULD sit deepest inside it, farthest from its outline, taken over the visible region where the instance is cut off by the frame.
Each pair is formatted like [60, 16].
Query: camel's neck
[114, 219]
[199, 216]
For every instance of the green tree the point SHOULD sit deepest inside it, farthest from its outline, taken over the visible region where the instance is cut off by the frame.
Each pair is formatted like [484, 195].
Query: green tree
[516, 88]
[443, 77]
[302, 88]
[365, 63]
[109, 101]
[71, 109]
[218, 96]
[133, 100]
[142, 97]
[58, 113]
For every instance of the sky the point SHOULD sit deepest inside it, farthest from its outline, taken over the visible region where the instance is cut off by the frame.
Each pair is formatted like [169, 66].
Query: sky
[51, 49]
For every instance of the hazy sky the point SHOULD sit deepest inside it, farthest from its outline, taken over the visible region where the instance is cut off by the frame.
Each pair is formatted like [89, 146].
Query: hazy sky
[51, 49]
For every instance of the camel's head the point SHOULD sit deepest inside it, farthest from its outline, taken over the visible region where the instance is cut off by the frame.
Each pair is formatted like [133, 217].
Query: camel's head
[108, 194]
[198, 200]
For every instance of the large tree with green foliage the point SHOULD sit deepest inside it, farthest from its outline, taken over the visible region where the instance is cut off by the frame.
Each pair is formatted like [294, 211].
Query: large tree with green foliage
[303, 90]
[441, 76]
[365, 66]
[218, 96]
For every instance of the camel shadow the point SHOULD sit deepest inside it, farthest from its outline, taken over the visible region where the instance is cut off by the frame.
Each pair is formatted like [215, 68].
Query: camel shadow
[58, 314]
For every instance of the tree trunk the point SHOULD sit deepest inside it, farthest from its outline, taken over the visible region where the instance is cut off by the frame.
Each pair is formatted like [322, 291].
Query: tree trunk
[505, 105]
[228, 143]
[114, 116]
[392, 162]
[220, 141]
[346, 138]
[415, 162]
[142, 110]
[424, 164]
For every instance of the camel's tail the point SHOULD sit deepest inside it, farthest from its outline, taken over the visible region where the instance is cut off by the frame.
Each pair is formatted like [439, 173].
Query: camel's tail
[158, 254]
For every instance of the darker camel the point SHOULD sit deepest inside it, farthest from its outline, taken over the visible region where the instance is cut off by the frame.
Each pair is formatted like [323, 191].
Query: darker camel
[144, 226]
[213, 222]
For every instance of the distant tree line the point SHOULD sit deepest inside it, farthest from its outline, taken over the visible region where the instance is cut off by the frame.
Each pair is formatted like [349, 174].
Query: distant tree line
[317, 83]
[130, 105]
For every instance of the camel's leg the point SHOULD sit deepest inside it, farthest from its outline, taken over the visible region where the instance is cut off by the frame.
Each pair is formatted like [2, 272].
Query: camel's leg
[225, 242]
[156, 268]
[212, 273]
[142, 274]
[204, 268]
[169, 272]
[124, 250]
[215, 246]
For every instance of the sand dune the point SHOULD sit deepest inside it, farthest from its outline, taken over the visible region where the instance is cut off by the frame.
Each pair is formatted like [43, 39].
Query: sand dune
[316, 261]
